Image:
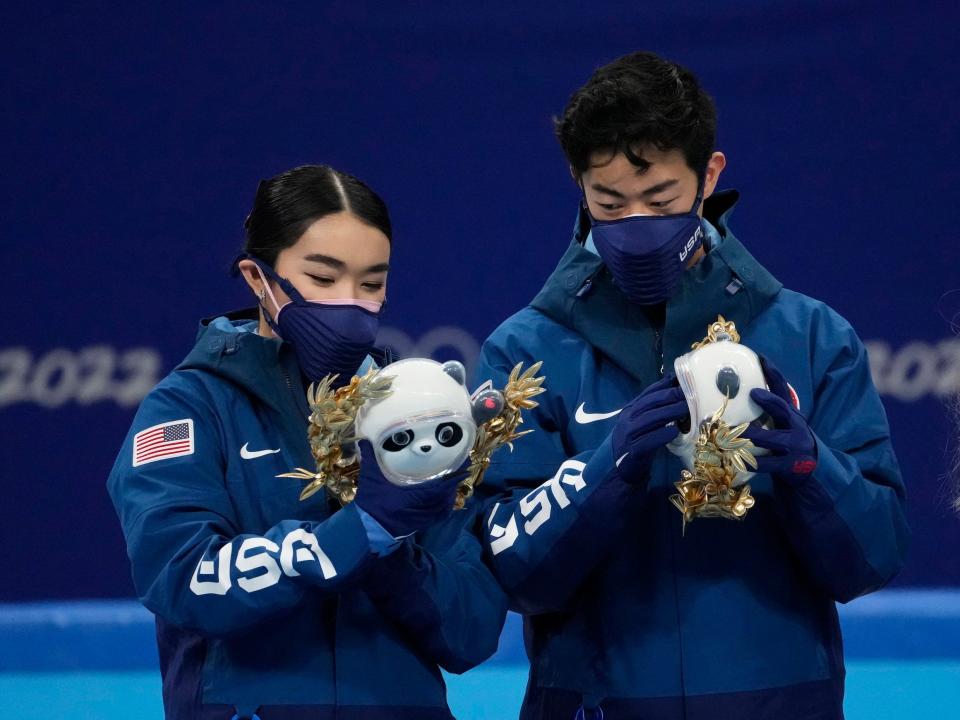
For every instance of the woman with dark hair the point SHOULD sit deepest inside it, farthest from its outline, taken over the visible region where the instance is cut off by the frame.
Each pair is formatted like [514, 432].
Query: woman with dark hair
[268, 606]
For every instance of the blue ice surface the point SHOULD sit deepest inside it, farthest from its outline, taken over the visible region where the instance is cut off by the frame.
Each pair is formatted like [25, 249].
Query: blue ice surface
[876, 690]
[98, 660]
[119, 634]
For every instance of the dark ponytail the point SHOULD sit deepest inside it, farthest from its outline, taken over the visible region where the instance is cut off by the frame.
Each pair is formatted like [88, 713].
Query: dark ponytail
[286, 205]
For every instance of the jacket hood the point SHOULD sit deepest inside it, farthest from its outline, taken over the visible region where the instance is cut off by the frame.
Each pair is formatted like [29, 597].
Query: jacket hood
[728, 281]
[228, 346]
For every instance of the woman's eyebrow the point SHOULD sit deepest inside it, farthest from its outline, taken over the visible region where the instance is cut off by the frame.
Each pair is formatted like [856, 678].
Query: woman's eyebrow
[338, 264]
[326, 260]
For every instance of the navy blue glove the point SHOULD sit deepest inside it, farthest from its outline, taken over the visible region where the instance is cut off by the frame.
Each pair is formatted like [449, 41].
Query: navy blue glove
[648, 422]
[403, 509]
[793, 449]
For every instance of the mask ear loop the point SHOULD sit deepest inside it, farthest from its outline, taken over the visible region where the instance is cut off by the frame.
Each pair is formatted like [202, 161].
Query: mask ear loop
[700, 185]
[266, 285]
[583, 202]
[582, 229]
[284, 284]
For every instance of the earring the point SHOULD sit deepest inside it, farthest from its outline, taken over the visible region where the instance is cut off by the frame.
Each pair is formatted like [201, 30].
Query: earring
[261, 295]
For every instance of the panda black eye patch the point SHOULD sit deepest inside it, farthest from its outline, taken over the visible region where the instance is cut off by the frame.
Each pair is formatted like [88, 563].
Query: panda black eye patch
[449, 434]
[398, 441]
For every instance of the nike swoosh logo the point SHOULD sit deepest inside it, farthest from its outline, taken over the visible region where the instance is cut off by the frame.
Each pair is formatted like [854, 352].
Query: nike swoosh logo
[583, 417]
[251, 454]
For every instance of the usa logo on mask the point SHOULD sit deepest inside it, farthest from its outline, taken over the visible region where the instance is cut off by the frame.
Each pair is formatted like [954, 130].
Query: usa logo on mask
[691, 243]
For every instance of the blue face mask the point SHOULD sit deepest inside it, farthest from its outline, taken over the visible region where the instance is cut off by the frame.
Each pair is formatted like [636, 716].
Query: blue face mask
[328, 336]
[646, 254]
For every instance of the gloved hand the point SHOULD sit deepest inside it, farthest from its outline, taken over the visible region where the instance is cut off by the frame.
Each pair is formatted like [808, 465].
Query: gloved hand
[793, 449]
[403, 509]
[646, 423]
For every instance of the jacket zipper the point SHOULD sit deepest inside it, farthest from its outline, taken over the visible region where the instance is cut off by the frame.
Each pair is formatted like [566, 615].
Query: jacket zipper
[293, 394]
[658, 344]
[286, 379]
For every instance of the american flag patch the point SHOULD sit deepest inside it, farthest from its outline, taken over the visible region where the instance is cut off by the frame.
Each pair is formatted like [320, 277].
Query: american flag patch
[166, 440]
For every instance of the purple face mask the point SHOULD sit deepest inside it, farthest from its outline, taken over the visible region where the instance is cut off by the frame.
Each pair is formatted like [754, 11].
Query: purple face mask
[328, 336]
[646, 254]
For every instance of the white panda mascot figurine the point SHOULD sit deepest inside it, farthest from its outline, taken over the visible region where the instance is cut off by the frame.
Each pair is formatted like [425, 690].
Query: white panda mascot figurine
[427, 424]
[720, 372]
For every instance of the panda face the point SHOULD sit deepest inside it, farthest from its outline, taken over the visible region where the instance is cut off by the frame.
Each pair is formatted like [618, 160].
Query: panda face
[425, 426]
[423, 449]
[444, 435]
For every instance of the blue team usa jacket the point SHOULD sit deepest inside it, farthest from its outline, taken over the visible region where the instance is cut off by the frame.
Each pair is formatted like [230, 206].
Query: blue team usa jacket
[266, 604]
[624, 612]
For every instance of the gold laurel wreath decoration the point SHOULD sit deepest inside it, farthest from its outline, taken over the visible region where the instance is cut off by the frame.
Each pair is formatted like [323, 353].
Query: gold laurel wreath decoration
[502, 429]
[722, 329]
[721, 453]
[333, 426]
[333, 415]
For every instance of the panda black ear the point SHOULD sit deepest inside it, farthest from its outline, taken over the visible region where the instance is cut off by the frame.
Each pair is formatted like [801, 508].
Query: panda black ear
[486, 405]
[456, 370]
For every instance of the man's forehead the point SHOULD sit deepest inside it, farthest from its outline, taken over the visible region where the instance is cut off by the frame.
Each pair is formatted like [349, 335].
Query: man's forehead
[612, 158]
[640, 158]
[618, 176]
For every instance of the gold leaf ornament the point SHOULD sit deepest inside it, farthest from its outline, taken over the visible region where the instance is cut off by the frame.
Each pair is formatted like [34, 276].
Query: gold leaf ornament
[333, 416]
[722, 329]
[518, 394]
[720, 454]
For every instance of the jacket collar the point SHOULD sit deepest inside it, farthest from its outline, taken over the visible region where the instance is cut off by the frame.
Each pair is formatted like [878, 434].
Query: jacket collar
[728, 281]
[263, 367]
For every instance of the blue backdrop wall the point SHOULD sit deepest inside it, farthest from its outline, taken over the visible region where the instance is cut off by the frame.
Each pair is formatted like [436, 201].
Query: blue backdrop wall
[134, 138]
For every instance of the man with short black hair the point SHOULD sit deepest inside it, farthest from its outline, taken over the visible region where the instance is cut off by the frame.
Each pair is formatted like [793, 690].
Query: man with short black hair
[627, 615]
